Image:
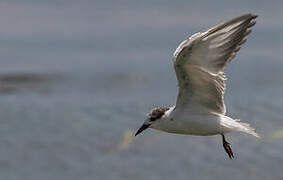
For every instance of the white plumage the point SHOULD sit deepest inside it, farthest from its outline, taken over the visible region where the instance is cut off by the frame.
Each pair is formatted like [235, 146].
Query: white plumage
[199, 63]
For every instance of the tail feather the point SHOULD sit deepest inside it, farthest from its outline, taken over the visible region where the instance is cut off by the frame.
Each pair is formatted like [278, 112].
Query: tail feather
[248, 129]
[236, 125]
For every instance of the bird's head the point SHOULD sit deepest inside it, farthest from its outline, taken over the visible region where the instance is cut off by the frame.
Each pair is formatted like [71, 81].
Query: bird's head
[153, 117]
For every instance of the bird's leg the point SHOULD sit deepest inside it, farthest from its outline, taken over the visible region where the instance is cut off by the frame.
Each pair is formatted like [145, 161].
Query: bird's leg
[227, 147]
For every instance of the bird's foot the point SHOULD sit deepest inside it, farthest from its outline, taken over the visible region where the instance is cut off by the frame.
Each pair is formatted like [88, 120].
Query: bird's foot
[227, 148]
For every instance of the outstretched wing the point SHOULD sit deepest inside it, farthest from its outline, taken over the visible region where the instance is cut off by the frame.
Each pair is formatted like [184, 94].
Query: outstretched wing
[200, 60]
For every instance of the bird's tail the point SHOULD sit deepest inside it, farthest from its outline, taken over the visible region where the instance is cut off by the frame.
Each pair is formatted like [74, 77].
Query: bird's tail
[246, 128]
[236, 125]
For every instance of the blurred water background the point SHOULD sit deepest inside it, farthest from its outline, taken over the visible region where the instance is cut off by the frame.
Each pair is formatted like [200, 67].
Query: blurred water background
[78, 77]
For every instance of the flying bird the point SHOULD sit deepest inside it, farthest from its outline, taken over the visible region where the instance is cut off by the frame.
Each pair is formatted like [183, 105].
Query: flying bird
[199, 63]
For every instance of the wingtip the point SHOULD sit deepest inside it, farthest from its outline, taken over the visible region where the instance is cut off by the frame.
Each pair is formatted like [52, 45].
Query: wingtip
[249, 16]
[252, 16]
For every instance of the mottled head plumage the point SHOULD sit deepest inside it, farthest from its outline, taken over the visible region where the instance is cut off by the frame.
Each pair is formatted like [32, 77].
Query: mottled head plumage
[157, 113]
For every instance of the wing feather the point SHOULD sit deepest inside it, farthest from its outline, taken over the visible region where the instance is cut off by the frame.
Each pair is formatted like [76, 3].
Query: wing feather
[200, 60]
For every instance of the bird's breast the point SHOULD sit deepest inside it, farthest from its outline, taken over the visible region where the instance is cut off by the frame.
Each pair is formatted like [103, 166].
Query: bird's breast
[194, 124]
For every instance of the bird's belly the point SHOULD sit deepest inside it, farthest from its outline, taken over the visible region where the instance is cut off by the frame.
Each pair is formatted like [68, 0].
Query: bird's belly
[202, 125]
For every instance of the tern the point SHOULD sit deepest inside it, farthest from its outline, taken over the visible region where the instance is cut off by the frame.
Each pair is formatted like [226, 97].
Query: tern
[199, 63]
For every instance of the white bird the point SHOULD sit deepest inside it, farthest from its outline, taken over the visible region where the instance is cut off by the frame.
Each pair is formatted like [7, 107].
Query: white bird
[199, 63]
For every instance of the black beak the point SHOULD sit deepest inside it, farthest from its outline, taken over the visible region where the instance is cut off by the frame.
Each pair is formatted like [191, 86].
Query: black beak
[142, 128]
